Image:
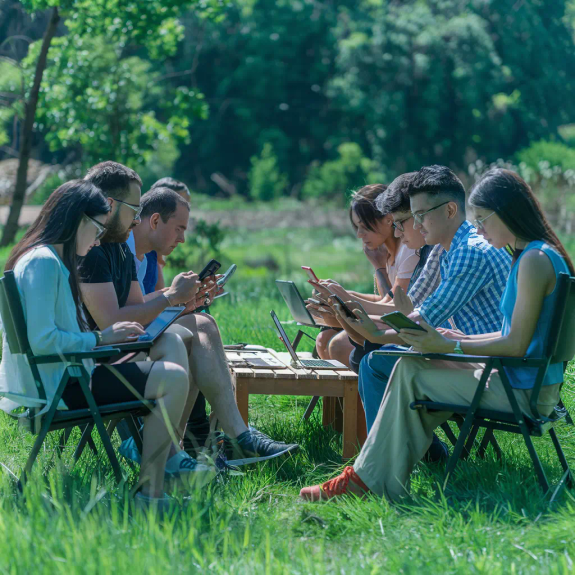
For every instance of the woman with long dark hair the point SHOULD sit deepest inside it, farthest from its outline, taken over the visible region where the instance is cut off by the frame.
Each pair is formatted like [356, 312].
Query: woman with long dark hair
[507, 213]
[45, 264]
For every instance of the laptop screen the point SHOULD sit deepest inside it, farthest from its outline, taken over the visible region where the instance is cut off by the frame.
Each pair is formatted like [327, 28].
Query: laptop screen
[284, 336]
[162, 321]
[295, 302]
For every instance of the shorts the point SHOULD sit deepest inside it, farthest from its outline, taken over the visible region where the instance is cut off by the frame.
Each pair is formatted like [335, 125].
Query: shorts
[107, 388]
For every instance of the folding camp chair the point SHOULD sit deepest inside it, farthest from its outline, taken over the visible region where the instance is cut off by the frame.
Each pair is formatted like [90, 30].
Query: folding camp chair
[559, 348]
[94, 416]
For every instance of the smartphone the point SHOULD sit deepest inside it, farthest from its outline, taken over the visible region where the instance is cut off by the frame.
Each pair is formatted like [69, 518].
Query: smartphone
[223, 281]
[398, 321]
[210, 270]
[310, 273]
[314, 301]
[345, 309]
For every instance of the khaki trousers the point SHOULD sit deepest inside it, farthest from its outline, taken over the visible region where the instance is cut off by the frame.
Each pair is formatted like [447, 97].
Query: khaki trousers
[401, 436]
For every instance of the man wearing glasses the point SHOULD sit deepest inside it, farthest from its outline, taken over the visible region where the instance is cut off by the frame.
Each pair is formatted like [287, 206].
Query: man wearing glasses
[473, 276]
[111, 293]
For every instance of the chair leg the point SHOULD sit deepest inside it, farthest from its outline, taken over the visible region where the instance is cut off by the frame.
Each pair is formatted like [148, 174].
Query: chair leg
[470, 442]
[450, 435]
[64, 439]
[488, 438]
[95, 412]
[562, 458]
[536, 461]
[86, 433]
[135, 433]
[310, 407]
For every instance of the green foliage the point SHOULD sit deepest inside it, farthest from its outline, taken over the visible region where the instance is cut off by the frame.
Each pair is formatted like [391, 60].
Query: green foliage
[335, 178]
[10, 99]
[543, 155]
[202, 243]
[265, 181]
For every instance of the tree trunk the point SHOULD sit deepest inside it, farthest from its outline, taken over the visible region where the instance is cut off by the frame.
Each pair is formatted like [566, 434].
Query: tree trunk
[18, 198]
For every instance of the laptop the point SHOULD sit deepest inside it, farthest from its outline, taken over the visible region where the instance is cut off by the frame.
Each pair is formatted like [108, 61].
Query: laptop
[296, 303]
[296, 361]
[153, 330]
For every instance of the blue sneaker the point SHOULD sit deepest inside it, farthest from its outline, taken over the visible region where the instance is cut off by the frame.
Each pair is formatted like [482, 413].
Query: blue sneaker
[129, 450]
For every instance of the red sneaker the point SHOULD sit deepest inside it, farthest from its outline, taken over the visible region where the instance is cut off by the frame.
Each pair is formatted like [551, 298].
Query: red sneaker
[334, 487]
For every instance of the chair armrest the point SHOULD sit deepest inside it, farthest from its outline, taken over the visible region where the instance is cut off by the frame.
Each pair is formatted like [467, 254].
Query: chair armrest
[76, 355]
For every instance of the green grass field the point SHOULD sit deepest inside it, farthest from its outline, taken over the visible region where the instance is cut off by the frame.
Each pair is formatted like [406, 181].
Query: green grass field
[491, 519]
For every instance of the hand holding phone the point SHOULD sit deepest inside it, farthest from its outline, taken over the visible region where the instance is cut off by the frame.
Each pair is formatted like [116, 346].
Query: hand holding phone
[344, 307]
[227, 276]
[310, 273]
[397, 321]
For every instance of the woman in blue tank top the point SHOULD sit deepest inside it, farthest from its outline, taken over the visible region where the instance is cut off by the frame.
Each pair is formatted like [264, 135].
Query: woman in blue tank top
[507, 214]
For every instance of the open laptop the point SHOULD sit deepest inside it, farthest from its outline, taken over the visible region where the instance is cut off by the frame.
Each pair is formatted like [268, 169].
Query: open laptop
[296, 303]
[296, 361]
[153, 330]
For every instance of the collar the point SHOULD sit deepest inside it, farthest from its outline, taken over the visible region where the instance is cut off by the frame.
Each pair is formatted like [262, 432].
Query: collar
[463, 232]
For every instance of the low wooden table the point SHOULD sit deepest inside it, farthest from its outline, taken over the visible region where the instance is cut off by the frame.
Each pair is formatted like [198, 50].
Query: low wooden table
[291, 381]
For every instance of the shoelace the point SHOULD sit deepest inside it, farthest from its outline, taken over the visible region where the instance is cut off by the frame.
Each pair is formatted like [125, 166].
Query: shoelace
[188, 463]
[338, 485]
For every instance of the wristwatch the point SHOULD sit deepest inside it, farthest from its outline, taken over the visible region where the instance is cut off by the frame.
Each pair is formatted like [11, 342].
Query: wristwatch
[98, 335]
[458, 348]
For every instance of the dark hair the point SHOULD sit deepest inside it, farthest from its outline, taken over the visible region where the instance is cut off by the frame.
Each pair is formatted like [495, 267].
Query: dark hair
[438, 180]
[58, 223]
[113, 179]
[510, 197]
[172, 184]
[396, 197]
[363, 204]
[162, 201]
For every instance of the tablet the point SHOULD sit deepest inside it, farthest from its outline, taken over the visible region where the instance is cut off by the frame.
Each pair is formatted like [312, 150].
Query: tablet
[153, 330]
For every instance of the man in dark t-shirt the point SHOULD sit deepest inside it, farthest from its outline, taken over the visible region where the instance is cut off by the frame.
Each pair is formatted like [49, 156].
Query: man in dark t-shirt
[111, 295]
[109, 263]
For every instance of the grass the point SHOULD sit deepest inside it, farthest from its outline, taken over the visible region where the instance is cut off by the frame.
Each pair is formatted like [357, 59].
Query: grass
[491, 519]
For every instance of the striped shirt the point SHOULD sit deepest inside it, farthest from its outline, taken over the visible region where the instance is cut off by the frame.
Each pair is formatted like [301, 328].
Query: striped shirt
[424, 283]
[473, 279]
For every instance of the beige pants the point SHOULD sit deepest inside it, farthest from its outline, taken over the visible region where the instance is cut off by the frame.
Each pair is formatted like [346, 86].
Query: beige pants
[401, 436]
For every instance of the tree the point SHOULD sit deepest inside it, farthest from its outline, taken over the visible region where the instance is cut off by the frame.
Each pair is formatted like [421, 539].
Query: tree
[92, 90]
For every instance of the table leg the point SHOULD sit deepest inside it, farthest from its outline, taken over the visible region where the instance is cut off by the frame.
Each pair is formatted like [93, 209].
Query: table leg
[328, 416]
[242, 398]
[350, 398]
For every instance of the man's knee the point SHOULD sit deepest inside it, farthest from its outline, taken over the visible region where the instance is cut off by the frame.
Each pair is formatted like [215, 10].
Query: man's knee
[207, 324]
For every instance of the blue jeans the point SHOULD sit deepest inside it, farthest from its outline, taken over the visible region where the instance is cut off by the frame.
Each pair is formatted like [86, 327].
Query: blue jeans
[374, 372]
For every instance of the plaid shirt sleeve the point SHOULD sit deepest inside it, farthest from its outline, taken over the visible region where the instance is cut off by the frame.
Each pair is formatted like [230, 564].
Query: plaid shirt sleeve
[429, 279]
[467, 273]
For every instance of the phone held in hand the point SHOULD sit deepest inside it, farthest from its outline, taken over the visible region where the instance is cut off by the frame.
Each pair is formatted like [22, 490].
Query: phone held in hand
[310, 273]
[344, 307]
[397, 321]
[314, 301]
[211, 268]
[227, 276]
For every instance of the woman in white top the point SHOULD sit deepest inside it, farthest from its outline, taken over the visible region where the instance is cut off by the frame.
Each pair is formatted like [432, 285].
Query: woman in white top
[392, 260]
[45, 264]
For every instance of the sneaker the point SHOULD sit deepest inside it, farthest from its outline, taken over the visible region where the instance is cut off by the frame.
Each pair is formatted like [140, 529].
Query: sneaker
[129, 450]
[253, 446]
[182, 466]
[158, 505]
[335, 487]
[438, 451]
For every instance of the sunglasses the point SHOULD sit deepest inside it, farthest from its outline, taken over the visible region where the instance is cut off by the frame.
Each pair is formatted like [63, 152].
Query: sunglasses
[137, 209]
[102, 229]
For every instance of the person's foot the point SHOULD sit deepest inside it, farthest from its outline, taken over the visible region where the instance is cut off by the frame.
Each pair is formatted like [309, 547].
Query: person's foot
[349, 482]
[194, 474]
[253, 446]
[437, 452]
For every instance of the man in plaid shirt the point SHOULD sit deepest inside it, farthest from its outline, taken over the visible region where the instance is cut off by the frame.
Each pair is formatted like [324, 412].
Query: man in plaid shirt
[473, 278]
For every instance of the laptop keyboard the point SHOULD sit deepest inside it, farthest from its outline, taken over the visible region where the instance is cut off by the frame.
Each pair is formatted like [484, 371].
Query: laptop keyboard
[315, 363]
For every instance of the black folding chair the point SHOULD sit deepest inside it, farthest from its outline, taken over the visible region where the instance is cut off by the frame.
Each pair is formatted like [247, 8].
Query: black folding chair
[559, 348]
[15, 332]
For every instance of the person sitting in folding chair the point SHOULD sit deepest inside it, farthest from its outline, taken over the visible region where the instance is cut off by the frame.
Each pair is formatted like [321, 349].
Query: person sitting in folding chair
[45, 268]
[507, 213]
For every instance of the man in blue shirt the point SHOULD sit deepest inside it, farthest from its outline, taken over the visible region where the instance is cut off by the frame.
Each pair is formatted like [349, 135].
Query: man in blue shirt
[473, 277]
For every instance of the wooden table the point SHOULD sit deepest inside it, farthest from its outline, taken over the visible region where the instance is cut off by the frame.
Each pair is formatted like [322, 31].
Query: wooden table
[291, 381]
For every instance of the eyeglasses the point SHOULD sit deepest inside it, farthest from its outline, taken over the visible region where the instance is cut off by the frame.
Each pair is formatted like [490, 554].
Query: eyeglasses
[419, 217]
[398, 225]
[479, 223]
[102, 229]
[137, 209]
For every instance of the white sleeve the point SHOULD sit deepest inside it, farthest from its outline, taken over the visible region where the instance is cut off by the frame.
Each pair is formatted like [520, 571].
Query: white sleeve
[406, 266]
[39, 286]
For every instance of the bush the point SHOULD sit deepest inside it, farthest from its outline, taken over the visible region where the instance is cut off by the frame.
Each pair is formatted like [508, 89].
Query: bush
[543, 155]
[266, 182]
[335, 178]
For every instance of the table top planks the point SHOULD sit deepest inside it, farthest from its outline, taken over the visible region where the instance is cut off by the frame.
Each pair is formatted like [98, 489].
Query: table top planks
[288, 372]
